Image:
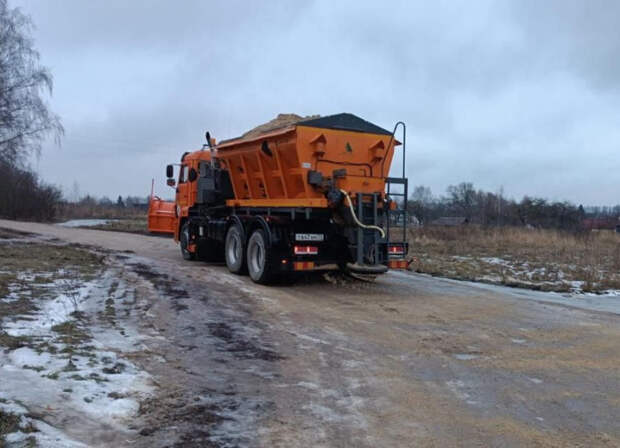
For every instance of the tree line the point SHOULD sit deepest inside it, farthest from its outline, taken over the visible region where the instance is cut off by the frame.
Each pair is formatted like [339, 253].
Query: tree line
[25, 121]
[493, 209]
[91, 207]
[104, 201]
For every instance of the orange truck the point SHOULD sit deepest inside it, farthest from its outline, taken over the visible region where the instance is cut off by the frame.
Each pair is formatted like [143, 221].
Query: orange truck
[309, 195]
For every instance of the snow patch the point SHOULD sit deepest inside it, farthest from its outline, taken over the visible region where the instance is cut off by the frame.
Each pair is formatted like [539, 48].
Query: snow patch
[465, 356]
[95, 385]
[51, 312]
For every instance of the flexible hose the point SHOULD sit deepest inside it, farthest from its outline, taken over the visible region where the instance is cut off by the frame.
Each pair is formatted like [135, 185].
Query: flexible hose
[357, 221]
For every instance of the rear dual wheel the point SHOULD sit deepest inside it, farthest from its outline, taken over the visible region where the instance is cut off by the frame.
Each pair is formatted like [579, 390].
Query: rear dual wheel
[256, 258]
[234, 250]
[259, 257]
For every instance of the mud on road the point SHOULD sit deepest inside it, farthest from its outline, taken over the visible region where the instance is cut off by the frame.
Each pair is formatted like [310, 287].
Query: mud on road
[407, 361]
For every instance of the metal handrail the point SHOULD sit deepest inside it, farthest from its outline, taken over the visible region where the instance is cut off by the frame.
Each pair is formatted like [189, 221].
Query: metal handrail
[405, 191]
[404, 146]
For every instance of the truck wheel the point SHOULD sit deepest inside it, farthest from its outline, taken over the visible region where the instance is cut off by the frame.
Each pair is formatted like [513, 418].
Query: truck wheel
[184, 242]
[259, 257]
[234, 250]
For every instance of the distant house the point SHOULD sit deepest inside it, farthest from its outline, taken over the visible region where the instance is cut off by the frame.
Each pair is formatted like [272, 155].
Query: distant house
[397, 218]
[450, 221]
[595, 224]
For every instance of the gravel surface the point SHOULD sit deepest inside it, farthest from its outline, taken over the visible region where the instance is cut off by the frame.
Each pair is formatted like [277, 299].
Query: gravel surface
[408, 361]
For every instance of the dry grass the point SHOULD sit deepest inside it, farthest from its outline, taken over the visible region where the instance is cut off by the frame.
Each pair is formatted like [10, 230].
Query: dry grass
[70, 211]
[8, 423]
[130, 225]
[27, 270]
[35, 271]
[533, 258]
[39, 258]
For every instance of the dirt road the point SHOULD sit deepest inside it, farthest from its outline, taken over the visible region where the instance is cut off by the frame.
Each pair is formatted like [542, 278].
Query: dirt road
[408, 361]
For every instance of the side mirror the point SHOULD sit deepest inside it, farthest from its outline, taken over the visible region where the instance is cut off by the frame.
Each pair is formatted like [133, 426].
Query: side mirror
[193, 175]
[169, 171]
[171, 182]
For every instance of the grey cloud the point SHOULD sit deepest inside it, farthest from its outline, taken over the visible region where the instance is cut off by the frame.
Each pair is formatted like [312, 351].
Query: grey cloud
[581, 37]
[520, 94]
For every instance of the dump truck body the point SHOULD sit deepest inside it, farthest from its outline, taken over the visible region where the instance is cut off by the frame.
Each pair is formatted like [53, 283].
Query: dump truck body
[290, 199]
[272, 169]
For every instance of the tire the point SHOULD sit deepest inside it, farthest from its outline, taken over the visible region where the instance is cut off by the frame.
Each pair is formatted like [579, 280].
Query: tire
[259, 258]
[234, 250]
[184, 242]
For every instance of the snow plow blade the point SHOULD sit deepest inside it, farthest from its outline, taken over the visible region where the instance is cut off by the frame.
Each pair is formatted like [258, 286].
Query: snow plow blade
[161, 216]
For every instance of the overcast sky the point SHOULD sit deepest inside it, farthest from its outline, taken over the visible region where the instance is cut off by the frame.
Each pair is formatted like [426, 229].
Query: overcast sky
[523, 94]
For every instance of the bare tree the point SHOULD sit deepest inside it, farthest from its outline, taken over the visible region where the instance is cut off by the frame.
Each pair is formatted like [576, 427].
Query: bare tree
[25, 117]
[422, 194]
[420, 202]
[462, 197]
[24, 196]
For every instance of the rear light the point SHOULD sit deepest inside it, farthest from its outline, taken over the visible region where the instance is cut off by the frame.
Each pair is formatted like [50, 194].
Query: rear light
[396, 249]
[398, 264]
[303, 265]
[306, 250]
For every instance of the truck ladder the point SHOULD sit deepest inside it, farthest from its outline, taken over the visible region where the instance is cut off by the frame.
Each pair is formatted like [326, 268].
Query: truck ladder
[401, 211]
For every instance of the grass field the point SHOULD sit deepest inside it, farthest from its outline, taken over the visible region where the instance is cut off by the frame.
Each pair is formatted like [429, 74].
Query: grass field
[547, 260]
[130, 225]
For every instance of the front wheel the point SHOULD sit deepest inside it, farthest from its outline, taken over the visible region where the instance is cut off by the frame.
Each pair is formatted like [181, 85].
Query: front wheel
[259, 258]
[234, 250]
[184, 243]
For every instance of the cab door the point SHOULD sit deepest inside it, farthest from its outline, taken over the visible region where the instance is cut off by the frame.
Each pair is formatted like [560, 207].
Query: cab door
[182, 196]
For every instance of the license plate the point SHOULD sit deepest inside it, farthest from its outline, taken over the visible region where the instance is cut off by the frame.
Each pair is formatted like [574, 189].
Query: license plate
[309, 237]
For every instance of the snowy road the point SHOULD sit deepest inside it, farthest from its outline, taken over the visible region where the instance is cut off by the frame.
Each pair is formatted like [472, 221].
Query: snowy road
[408, 361]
